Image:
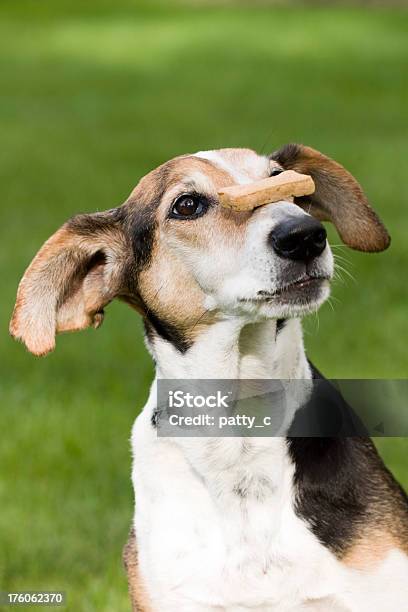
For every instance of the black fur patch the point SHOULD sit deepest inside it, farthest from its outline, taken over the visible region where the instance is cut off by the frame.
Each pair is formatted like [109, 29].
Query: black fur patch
[142, 226]
[166, 331]
[326, 414]
[142, 239]
[155, 418]
[280, 324]
[341, 482]
[88, 225]
[287, 155]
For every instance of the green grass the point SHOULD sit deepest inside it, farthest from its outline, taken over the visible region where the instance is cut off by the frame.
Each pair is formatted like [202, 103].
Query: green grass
[93, 96]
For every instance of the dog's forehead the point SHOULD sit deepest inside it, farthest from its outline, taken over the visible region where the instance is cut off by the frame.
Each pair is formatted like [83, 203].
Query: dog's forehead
[203, 171]
[243, 165]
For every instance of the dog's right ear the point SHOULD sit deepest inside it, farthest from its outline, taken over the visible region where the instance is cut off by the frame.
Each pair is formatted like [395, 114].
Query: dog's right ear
[338, 198]
[79, 270]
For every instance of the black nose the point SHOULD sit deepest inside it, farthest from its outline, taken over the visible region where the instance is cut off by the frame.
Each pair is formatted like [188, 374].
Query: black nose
[299, 238]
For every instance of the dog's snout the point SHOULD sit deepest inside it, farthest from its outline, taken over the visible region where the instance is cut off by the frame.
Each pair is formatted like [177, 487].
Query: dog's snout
[298, 238]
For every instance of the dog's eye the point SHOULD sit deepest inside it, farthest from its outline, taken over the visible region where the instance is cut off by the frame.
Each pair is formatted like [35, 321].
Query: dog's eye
[188, 207]
[276, 171]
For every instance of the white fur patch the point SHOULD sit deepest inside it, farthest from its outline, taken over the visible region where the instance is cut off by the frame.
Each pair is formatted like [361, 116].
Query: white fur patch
[248, 168]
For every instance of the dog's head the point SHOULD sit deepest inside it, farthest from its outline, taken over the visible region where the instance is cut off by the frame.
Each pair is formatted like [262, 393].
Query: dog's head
[182, 260]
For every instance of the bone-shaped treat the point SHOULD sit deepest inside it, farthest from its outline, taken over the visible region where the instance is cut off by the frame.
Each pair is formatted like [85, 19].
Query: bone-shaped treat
[273, 189]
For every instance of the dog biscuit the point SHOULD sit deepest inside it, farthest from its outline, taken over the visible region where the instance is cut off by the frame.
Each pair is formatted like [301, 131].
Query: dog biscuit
[247, 197]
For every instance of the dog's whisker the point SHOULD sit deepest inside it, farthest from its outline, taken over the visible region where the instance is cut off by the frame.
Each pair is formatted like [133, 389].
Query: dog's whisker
[148, 308]
[317, 318]
[199, 319]
[330, 303]
[342, 269]
[267, 140]
[338, 257]
[338, 246]
[337, 276]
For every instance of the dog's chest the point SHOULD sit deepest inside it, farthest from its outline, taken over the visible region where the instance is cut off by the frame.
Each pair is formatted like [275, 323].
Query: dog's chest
[218, 531]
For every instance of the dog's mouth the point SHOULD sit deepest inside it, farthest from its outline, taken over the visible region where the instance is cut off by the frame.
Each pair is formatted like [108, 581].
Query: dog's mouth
[307, 288]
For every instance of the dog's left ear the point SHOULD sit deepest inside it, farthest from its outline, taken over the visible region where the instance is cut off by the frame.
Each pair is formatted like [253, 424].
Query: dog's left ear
[338, 198]
[76, 273]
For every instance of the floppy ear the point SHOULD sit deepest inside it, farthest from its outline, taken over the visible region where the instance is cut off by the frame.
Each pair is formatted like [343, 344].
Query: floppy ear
[338, 198]
[79, 270]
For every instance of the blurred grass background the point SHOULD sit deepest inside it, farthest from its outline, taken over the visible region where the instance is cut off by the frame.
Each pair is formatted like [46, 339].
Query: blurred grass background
[93, 96]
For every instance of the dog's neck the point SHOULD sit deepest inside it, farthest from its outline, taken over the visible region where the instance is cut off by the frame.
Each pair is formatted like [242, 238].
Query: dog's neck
[234, 349]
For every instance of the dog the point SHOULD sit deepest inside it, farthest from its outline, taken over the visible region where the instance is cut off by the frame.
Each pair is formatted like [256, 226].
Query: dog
[234, 524]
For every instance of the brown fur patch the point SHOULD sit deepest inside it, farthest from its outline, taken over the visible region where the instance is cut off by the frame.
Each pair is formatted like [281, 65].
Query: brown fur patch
[370, 550]
[386, 529]
[384, 526]
[139, 599]
[73, 276]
